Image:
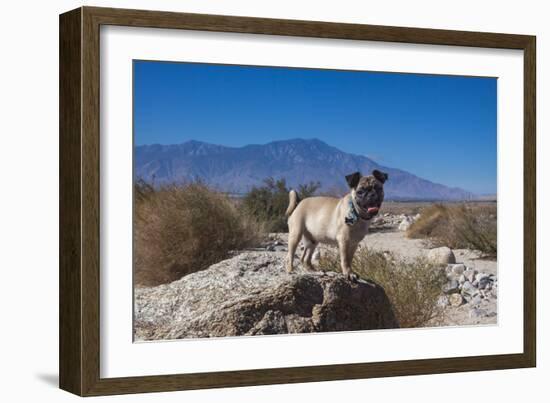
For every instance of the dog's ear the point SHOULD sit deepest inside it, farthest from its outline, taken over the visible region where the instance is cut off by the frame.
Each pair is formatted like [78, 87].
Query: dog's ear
[381, 176]
[353, 179]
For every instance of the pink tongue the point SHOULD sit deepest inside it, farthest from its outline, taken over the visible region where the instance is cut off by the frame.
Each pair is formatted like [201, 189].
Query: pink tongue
[372, 210]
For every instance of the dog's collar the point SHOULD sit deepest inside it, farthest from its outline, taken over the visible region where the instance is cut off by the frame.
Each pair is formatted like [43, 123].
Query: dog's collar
[353, 215]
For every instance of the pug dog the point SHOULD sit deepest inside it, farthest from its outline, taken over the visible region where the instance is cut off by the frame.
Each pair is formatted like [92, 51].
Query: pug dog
[341, 222]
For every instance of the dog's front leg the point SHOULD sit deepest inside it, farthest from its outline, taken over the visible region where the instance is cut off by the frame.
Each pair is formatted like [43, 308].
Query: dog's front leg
[347, 250]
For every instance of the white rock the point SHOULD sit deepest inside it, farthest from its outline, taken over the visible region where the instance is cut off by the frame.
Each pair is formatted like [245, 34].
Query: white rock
[458, 269]
[468, 288]
[442, 255]
[468, 291]
[451, 287]
[470, 275]
[405, 224]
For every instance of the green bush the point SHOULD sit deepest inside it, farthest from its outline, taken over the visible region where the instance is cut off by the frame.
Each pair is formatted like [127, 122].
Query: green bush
[412, 286]
[183, 229]
[269, 202]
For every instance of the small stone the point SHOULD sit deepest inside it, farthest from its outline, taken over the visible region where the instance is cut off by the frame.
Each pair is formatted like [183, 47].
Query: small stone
[470, 275]
[468, 291]
[455, 300]
[452, 276]
[462, 279]
[478, 313]
[469, 288]
[484, 283]
[442, 301]
[451, 287]
[481, 276]
[442, 255]
[458, 269]
[476, 300]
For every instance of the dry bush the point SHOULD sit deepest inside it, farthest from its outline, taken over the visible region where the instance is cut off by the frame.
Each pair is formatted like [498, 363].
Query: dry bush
[459, 226]
[413, 287]
[430, 224]
[183, 229]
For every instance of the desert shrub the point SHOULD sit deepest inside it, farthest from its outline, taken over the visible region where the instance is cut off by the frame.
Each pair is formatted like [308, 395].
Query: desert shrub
[142, 191]
[430, 224]
[459, 226]
[183, 229]
[412, 286]
[269, 202]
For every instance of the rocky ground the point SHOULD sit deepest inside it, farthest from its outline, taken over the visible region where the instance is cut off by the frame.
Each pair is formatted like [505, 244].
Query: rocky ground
[251, 293]
[470, 296]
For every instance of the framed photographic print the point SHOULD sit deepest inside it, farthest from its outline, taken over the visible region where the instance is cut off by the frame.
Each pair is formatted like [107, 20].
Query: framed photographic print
[249, 201]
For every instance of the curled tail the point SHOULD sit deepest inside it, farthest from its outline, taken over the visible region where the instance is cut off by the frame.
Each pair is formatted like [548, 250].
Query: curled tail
[293, 201]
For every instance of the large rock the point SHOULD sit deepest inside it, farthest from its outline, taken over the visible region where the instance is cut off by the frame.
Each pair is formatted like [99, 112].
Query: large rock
[252, 294]
[442, 255]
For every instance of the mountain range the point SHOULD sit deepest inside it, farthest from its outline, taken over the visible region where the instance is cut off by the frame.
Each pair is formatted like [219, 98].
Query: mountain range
[238, 169]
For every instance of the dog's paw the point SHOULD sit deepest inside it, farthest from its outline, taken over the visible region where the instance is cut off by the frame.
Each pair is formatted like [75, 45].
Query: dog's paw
[351, 276]
[309, 267]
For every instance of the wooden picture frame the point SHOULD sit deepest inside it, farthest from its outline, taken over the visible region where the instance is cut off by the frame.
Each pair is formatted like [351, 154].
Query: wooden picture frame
[79, 348]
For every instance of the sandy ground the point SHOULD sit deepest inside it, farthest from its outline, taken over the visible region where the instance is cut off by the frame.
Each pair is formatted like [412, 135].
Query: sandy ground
[397, 243]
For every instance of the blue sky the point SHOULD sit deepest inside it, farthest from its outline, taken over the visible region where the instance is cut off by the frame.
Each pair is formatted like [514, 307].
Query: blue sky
[441, 128]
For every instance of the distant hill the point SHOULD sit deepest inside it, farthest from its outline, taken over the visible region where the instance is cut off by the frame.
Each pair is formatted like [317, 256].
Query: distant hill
[237, 169]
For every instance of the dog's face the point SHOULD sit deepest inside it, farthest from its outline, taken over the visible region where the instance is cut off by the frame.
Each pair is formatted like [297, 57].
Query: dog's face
[368, 191]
